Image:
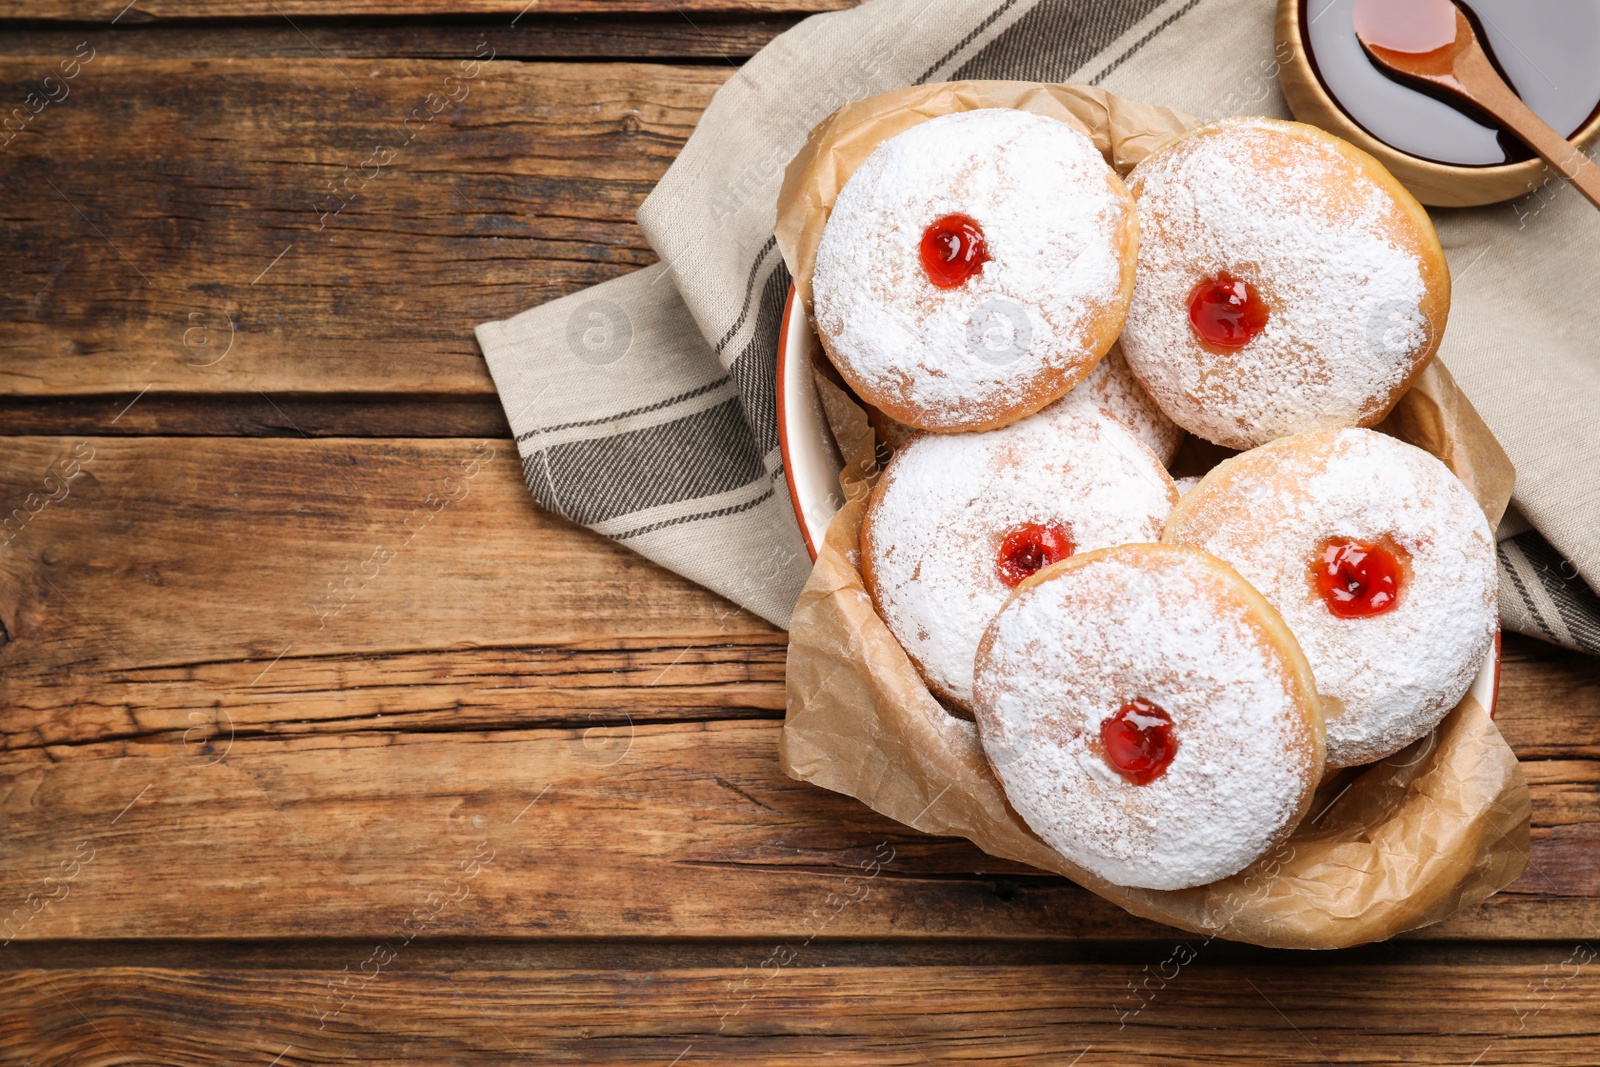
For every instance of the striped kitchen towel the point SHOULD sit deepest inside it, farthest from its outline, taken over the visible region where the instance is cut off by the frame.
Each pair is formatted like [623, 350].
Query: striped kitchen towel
[644, 408]
[1542, 594]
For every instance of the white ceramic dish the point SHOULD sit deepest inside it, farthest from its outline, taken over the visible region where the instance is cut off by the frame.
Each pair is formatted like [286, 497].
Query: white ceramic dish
[812, 461]
[811, 458]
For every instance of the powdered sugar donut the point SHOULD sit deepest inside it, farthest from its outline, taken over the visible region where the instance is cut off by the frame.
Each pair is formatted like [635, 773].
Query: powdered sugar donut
[1149, 715]
[974, 268]
[1286, 283]
[1112, 387]
[1380, 561]
[957, 521]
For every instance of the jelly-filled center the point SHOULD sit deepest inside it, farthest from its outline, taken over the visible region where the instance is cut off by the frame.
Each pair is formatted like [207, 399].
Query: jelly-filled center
[1138, 741]
[1032, 547]
[1227, 312]
[953, 250]
[1358, 579]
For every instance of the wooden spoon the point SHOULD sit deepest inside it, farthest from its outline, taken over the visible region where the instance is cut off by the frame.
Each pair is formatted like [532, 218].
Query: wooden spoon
[1432, 41]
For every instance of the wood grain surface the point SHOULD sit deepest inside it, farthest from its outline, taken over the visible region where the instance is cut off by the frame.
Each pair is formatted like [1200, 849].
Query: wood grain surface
[321, 743]
[269, 249]
[540, 33]
[136, 11]
[1059, 1014]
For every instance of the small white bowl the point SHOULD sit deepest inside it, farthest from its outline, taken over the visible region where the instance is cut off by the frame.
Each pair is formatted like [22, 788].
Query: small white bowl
[812, 461]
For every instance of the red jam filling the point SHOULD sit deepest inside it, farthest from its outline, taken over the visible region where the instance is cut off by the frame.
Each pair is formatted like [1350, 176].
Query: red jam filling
[1030, 548]
[953, 251]
[1358, 579]
[1227, 312]
[1138, 741]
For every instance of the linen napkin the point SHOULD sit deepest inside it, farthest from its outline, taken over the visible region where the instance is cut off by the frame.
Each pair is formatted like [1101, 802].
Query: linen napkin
[644, 408]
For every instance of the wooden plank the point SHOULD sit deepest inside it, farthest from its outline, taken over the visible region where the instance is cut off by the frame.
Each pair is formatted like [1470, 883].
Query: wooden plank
[189, 551]
[406, 584]
[1539, 1008]
[637, 954]
[669, 36]
[229, 225]
[618, 681]
[255, 415]
[121, 11]
[1549, 700]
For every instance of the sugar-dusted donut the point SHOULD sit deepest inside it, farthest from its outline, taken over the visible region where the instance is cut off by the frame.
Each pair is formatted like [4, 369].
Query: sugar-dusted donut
[1112, 386]
[974, 268]
[1380, 561]
[1149, 715]
[958, 520]
[1287, 283]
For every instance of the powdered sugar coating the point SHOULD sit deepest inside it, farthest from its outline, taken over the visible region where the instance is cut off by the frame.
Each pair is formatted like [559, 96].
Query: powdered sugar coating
[931, 538]
[1347, 272]
[1059, 228]
[1387, 679]
[1112, 386]
[1173, 627]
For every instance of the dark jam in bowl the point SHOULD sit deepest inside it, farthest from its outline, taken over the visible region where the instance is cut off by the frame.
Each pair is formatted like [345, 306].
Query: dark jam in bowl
[1549, 50]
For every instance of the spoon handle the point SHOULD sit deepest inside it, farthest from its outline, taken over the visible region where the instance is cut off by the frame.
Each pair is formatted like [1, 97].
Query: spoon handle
[1478, 76]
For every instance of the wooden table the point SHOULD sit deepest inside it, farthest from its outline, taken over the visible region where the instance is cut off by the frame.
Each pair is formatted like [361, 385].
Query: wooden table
[323, 744]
